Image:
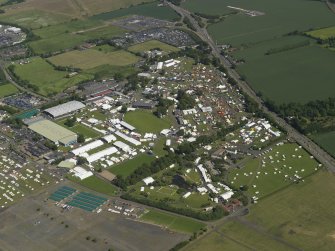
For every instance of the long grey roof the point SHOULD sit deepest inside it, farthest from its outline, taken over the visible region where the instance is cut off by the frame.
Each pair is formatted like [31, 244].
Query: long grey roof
[65, 108]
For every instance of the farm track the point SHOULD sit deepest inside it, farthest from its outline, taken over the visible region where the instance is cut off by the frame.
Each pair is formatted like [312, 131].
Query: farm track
[320, 155]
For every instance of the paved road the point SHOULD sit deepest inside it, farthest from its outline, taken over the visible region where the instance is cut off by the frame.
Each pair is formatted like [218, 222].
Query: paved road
[322, 156]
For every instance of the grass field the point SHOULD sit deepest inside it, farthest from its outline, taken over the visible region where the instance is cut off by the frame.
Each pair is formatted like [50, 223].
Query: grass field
[88, 59]
[145, 121]
[97, 185]
[67, 36]
[211, 7]
[49, 81]
[323, 33]
[81, 129]
[326, 141]
[273, 171]
[148, 9]
[152, 44]
[172, 222]
[242, 29]
[290, 76]
[301, 216]
[7, 90]
[129, 166]
[38, 13]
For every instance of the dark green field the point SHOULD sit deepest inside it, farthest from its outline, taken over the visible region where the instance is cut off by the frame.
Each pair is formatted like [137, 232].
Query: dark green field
[327, 141]
[278, 20]
[290, 76]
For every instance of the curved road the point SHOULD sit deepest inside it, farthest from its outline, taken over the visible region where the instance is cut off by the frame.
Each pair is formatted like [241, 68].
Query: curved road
[322, 156]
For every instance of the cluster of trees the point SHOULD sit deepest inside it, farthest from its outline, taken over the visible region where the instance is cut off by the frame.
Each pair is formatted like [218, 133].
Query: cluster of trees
[309, 117]
[162, 107]
[186, 101]
[146, 170]
[70, 122]
[189, 24]
[216, 213]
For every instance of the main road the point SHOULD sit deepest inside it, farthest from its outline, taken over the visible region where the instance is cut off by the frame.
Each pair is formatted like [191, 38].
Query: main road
[322, 156]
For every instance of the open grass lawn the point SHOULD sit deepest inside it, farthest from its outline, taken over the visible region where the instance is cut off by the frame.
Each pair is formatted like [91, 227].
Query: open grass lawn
[81, 129]
[326, 141]
[272, 172]
[152, 44]
[127, 167]
[291, 76]
[97, 185]
[323, 33]
[172, 222]
[107, 71]
[145, 121]
[42, 75]
[148, 9]
[90, 58]
[302, 216]
[67, 36]
[215, 241]
[7, 90]
[211, 7]
[243, 29]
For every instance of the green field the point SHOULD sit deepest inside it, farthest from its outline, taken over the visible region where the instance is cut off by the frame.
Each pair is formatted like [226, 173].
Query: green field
[298, 218]
[48, 80]
[7, 90]
[211, 7]
[97, 185]
[32, 18]
[152, 44]
[69, 35]
[127, 167]
[326, 141]
[81, 129]
[149, 9]
[323, 33]
[272, 171]
[172, 222]
[88, 59]
[289, 76]
[242, 29]
[145, 121]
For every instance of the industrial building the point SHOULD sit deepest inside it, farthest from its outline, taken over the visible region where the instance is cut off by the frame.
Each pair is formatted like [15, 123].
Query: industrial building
[54, 132]
[64, 109]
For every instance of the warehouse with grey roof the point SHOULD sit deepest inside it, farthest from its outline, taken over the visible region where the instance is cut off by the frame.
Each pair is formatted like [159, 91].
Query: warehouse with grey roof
[64, 109]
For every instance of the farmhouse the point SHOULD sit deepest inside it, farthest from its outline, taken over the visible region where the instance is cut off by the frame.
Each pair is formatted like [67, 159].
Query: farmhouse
[54, 132]
[64, 109]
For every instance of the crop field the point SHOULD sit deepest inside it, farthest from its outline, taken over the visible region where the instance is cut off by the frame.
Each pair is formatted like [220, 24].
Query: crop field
[148, 9]
[323, 33]
[97, 185]
[127, 167]
[7, 90]
[152, 44]
[33, 18]
[242, 29]
[88, 59]
[48, 80]
[326, 141]
[172, 222]
[40, 13]
[291, 76]
[145, 121]
[210, 7]
[274, 170]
